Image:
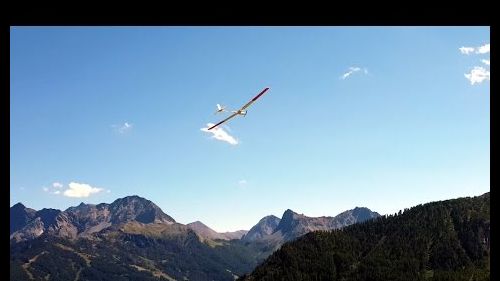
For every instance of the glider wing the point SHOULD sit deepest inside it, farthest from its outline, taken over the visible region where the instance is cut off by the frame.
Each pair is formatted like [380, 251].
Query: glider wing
[230, 116]
[254, 99]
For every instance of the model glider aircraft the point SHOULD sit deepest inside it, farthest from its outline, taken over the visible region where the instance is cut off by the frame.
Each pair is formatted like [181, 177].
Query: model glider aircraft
[241, 111]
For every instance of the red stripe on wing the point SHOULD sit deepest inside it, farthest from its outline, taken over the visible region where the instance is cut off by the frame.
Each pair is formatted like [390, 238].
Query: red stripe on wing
[255, 98]
[261, 93]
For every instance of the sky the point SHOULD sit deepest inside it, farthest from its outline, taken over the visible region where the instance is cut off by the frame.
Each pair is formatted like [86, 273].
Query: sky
[379, 117]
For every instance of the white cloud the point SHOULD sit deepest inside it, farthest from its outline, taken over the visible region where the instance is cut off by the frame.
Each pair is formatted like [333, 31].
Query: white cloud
[57, 192]
[242, 183]
[352, 70]
[466, 50]
[219, 134]
[50, 189]
[478, 50]
[477, 75]
[123, 128]
[483, 49]
[79, 190]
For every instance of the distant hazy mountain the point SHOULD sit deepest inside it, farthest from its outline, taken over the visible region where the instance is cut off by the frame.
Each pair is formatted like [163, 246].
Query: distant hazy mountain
[238, 234]
[264, 227]
[293, 225]
[207, 233]
[204, 231]
[358, 214]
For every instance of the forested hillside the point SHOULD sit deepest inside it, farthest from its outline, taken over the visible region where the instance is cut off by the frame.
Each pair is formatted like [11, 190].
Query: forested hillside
[444, 240]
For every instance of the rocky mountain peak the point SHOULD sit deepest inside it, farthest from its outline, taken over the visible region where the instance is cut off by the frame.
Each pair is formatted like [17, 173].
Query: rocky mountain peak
[289, 216]
[18, 206]
[363, 213]
[204, 231]
[197, 223]
[264, 227]
[293, 225]
[48, 215]
[137, 208]
[20, 216]
[358, 214]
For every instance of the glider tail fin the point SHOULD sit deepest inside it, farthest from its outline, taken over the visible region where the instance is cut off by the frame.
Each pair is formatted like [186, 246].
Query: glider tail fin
[220, 108]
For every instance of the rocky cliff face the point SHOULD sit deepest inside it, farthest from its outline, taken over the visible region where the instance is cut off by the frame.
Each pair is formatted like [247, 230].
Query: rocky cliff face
[89, 218]
[50, 221]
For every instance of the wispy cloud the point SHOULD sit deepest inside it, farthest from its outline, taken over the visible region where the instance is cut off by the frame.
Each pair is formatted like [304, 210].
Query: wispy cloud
[219, 133]
[123, 128]
[79, 190]
[466, 50]
[352, 70]
[53, 189]
[487, 62]
[477, 50]
[477, 75]
[242, 183]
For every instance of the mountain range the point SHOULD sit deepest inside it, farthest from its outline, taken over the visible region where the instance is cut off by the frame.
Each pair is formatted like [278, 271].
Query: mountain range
[133, 237]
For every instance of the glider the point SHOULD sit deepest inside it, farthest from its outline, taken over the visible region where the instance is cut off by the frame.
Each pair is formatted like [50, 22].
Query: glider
[241, 111]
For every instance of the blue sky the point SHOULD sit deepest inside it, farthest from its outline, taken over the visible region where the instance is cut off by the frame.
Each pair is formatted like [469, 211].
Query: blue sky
[381, 117]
